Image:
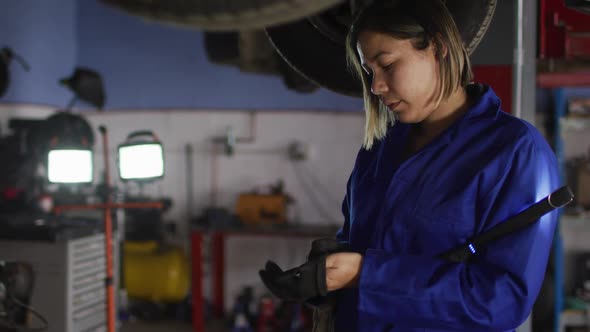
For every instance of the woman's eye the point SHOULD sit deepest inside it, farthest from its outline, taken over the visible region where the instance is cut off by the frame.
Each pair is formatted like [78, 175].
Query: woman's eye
[387, 66]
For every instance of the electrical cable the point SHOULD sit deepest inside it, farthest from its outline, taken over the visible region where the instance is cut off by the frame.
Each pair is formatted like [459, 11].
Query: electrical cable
[35, 313]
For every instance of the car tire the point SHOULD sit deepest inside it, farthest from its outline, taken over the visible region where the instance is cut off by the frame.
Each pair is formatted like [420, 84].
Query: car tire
[215, 15]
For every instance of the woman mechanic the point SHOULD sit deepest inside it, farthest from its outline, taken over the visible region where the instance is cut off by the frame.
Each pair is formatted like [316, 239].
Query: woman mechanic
[441, 162]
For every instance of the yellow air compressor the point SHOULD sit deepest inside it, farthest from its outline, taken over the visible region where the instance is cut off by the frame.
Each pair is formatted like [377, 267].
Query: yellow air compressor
[155, 273]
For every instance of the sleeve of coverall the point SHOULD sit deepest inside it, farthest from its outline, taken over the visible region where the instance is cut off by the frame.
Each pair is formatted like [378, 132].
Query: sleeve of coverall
[494, 292]
[343, 233]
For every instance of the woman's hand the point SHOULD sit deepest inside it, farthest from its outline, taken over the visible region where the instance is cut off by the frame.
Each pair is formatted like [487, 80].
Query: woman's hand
[343, 270]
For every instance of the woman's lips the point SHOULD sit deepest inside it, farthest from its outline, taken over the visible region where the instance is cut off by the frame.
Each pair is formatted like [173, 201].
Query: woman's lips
[392, 106]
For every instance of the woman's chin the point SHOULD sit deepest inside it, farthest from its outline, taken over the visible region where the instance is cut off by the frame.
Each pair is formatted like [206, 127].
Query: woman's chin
[404, 117]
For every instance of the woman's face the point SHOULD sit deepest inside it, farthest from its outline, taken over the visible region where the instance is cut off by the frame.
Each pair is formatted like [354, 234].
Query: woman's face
[405, 79]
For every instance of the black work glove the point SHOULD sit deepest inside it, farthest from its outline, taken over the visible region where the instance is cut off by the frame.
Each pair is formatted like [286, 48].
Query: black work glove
[297, 284]
[326, 246]
[305, 282]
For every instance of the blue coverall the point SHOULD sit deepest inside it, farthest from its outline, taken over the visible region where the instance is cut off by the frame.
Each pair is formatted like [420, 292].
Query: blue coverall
[400, 214]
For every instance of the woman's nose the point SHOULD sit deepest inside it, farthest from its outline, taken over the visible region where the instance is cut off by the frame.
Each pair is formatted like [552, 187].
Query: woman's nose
[378, 85]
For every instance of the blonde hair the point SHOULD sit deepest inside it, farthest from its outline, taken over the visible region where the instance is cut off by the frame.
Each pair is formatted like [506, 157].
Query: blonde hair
[423, 22]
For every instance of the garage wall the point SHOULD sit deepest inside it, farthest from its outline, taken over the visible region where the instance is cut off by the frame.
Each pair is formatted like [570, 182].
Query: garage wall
[333, 138]
[44, 34]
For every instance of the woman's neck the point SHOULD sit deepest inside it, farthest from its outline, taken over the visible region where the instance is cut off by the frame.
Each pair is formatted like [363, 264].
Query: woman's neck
[445, 115]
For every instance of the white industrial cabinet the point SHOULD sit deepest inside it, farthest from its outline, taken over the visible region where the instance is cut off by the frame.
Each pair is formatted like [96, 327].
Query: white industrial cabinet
[69, 289]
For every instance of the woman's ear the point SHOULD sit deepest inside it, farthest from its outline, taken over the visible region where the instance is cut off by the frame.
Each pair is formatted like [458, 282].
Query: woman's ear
[445, 50]
[440, 46]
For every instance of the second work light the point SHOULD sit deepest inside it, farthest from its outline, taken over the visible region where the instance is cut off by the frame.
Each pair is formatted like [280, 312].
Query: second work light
[141, 157]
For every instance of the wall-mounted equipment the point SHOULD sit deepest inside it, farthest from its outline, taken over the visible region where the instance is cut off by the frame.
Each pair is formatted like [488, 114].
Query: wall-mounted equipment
[141, 157]
[87, 86]
[6, 55]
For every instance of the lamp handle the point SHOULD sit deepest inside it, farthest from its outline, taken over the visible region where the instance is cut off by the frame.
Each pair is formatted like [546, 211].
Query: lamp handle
[143, 133]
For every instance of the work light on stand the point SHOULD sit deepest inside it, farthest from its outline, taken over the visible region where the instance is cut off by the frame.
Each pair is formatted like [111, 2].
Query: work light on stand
[69, 155]
[141, 157]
